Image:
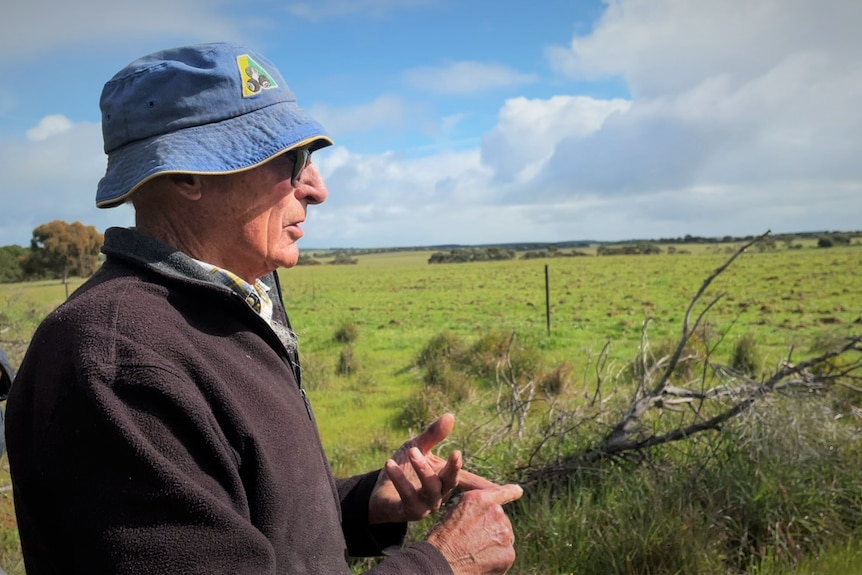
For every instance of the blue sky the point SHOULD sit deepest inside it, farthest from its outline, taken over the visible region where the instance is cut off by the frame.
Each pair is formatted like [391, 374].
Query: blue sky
[459, 121]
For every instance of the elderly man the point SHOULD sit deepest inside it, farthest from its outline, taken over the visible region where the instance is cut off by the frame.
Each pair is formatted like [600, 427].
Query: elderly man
[158, 422]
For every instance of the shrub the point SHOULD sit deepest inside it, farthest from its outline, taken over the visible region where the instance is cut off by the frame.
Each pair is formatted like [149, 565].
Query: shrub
[422, 408]
[445, 346]
[556, 381]
[348, 363]
[342, 258]
[348, 332]
[746, 356]
[305, 260]
[494, 348]
[453, 383]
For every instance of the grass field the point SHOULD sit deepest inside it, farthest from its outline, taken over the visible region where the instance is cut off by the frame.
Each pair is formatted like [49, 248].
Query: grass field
[395, 302]
[786, 298]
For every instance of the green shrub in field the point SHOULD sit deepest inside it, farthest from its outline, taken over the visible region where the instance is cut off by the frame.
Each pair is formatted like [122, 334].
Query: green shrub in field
[421, 408]
[556, 381]
[453, 372]
[746, 356]
[484, 356]
[347, 332]
[499, 351]
[440, 362]
[451, 381]
[448, 364]
[445, 346]
[348, 364]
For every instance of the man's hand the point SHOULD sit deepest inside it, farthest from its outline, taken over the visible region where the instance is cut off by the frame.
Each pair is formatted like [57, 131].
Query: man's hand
[415, 482]
[476, 537]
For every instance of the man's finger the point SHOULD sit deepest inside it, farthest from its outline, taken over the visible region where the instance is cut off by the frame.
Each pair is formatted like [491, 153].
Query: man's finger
[435, 433]
[505, 493]
[427, 476]
[468, 481]
[450, 471]
[402, 485]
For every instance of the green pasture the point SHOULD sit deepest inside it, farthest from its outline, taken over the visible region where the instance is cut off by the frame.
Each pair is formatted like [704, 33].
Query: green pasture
[789, 300]
[792, 301]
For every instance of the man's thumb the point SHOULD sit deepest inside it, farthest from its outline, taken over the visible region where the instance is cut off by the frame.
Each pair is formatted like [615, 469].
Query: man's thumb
[506, 493]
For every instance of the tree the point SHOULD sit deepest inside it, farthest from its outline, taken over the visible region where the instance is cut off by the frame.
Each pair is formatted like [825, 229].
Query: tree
[10, 263]
[59, 249]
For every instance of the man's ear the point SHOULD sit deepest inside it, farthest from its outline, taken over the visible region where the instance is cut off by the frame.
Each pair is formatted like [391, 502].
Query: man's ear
[188, 185]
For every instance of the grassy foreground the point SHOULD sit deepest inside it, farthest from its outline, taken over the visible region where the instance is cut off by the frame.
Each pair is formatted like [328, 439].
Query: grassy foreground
[745, 502]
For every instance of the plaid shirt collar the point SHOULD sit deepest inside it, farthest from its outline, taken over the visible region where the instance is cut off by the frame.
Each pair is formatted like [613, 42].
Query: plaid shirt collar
[256, 296]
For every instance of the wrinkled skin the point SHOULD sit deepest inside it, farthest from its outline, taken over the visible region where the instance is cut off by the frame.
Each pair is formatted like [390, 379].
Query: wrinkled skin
[475, 537]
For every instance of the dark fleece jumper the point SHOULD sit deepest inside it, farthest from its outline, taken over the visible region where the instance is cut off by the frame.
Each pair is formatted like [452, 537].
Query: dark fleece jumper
[158, 425]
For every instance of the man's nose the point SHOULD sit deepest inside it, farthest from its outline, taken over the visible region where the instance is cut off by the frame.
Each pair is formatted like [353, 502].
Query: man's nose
[310, 186]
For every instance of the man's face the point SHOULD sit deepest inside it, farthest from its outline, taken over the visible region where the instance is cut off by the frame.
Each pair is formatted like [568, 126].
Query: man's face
[260, 213]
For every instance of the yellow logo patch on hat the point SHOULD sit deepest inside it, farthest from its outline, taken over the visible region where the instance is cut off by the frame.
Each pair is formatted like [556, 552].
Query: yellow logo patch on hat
[254, 78]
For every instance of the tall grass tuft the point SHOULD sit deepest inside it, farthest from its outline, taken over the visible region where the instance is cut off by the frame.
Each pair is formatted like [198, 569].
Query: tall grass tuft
[347, 332]
[772, 488]
[555, 382]
[746, 356]
[348, 363]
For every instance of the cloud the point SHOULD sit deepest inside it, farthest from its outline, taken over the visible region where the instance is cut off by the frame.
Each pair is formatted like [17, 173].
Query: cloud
[529, 131]
[726, 96]
[52, 174]
[49, 126]
[465, 78]
[797, 121]
[743, 117]
[666, 46]
[381, 199]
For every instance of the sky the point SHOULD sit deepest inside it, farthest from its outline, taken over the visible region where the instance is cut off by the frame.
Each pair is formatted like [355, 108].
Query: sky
[477, 122]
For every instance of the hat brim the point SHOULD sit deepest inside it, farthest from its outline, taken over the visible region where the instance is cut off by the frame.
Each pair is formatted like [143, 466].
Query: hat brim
[232, 145]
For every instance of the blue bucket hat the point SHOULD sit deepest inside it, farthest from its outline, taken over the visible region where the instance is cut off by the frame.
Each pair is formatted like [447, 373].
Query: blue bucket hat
[204, 109]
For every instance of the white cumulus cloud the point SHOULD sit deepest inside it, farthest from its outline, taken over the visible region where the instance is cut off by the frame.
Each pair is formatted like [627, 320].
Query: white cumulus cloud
[49, 126]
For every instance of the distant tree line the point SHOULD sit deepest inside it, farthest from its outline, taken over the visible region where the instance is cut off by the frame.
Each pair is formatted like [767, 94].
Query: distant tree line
[785, 238]
[555, 249]
[638, 249]
[58, 250]
[552, 252]
[338, 258]
[464, 255]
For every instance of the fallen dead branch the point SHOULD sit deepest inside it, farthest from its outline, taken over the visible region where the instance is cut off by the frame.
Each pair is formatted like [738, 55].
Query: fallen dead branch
[705, 403]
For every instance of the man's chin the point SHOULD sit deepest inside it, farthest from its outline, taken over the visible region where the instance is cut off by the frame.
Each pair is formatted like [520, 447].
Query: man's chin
[289, 257]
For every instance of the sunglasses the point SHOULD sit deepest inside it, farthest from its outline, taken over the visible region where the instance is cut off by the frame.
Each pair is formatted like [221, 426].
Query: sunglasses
[300, 157]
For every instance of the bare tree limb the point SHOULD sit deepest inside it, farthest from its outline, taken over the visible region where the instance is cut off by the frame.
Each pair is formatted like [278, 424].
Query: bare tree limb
[725, 392]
